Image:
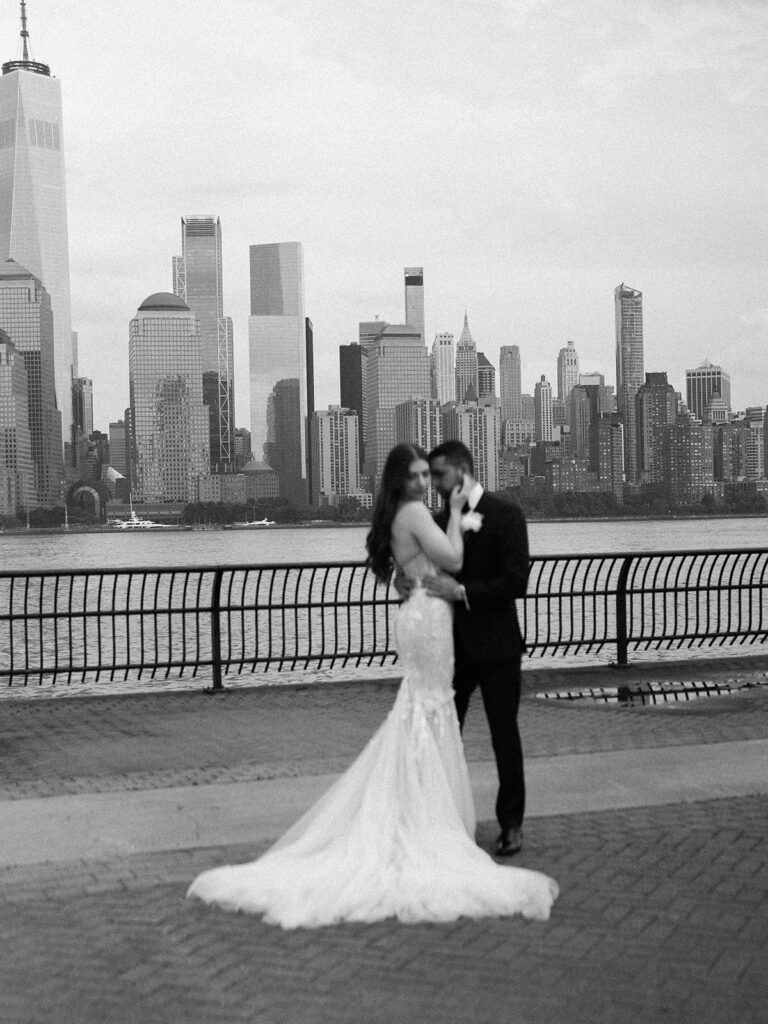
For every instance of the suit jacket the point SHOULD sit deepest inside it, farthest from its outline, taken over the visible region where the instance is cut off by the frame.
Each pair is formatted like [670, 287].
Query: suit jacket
[495, 572]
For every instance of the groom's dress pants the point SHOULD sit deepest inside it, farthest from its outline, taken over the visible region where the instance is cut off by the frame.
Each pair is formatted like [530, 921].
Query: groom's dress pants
[499, 684]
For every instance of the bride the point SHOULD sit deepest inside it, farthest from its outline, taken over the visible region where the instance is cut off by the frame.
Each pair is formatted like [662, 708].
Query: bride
[394, 835]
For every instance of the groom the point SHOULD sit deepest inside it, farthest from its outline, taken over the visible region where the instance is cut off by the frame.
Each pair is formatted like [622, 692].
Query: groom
[487, 639]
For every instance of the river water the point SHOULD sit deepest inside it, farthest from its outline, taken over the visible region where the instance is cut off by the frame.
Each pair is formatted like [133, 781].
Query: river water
[265, 545]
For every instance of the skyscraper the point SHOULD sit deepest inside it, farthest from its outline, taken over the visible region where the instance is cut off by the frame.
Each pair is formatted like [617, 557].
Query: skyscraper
[702, 384]
[629, 368]
[82, 422]
[656, 408]
[351, 386]
[478, 426]
[16, 468]
[486, 376]
[335, 438]
[170, 437]
[441, 363]
[82, 404]
[542, 405]
[26, 316]
[197, 279]
[686, 453]
[567, 370]
[414, 299]
[510, 384]
[277, 341]
[118, 446]
[466, 365]
[397, 370]
[417, 422]
[33, 201]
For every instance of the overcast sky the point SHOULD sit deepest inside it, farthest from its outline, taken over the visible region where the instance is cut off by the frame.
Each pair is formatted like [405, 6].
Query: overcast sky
[530, 155]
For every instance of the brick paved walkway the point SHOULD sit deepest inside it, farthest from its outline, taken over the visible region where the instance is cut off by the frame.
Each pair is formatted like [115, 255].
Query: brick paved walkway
[662, 915]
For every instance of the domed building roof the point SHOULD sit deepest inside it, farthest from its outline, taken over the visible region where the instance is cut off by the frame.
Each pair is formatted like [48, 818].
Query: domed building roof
[163, 301]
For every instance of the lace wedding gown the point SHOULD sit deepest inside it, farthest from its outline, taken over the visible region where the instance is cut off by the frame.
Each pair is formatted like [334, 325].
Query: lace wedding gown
[394, 835]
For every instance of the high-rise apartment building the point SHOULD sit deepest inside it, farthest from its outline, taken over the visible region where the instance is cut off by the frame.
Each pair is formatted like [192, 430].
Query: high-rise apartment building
[609, 432]
[17, 479]
[197, 279]
[542, 409]
[656, 403]
[170, 436]
[567, 370]
[33, 199]
[414, 299]
[277, 340]
[26, 317]
[335, 438]
[418, 422]
[397, 370]
[630, 372]
[702, 384]
[478, 426]
[687, 457]
[486, 376]
[588, 402]
[510, 384]
[442, 368]
[466, 366]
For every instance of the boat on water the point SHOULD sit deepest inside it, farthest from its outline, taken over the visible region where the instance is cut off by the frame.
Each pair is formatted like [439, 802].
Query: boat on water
[259, 522]
[135, 522]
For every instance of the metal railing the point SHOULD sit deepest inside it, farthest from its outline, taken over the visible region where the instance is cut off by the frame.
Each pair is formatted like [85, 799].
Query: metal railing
[120, 623]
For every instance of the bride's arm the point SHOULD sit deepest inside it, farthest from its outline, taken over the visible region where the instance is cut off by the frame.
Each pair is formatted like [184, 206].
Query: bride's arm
[446, 550]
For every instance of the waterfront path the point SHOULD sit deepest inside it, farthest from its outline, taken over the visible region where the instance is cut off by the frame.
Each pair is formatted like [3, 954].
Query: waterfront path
[652, 819]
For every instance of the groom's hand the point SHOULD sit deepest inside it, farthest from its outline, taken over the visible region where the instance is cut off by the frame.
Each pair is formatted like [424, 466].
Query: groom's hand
[402, 585]
[445, 587]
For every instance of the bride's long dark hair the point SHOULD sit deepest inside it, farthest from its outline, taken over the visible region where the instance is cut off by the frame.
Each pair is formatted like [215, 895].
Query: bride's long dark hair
[388, 498]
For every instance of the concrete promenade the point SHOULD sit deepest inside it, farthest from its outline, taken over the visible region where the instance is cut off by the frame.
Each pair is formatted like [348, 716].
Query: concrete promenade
[653, 820]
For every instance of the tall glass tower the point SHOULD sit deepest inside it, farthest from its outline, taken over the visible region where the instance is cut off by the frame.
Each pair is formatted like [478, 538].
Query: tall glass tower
[197, 279]
[33, 201]
[169, 423]
[630, 373]
[277, 342]
[27, 319]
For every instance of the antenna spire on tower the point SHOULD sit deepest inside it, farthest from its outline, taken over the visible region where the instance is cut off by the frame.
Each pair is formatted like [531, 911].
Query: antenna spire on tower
[24, 33]
[25, 64]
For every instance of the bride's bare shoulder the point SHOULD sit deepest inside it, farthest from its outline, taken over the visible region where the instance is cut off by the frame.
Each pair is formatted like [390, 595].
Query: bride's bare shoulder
[413, 512]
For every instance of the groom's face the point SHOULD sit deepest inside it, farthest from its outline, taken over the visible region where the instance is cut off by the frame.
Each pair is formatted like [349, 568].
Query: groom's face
[445, 476]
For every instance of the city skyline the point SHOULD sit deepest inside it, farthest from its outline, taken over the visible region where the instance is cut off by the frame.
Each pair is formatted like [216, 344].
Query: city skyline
[519, 183]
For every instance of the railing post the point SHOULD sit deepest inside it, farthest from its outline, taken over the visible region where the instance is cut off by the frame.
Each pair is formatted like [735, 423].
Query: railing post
[216, 631]
[621, 613]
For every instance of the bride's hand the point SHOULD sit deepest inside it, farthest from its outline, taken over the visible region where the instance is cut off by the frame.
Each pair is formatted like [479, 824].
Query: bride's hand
[459, 495]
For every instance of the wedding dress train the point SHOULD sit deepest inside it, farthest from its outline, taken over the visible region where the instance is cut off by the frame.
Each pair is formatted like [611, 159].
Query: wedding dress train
[394, 835]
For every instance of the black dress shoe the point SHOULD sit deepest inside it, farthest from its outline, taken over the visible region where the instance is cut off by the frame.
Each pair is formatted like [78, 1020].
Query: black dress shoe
[510, 841]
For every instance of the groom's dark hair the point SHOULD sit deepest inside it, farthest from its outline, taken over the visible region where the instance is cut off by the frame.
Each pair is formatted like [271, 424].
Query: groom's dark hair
[455, 453]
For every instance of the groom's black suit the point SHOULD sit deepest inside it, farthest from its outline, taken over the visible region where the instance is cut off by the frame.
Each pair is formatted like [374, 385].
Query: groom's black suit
[488, 642]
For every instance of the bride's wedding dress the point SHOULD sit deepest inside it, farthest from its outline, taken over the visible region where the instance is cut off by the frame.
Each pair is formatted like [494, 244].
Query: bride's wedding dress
[394, 835]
